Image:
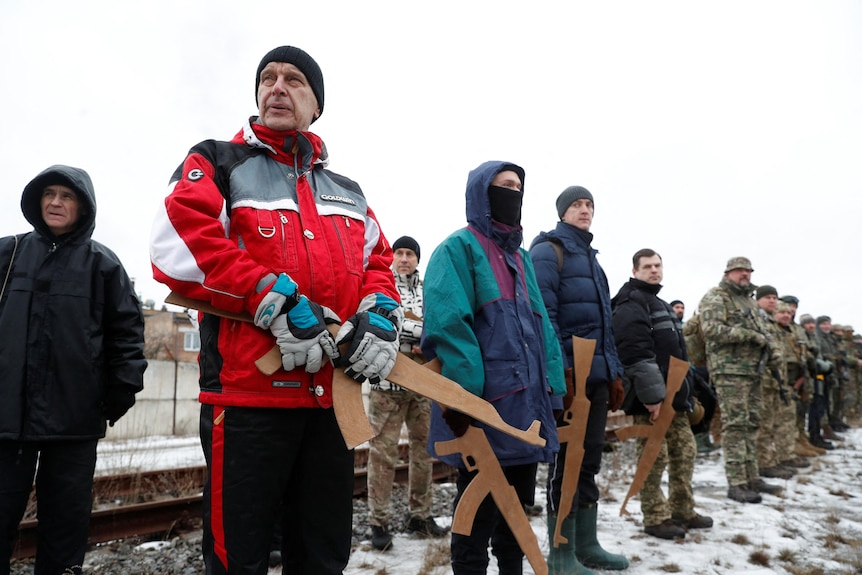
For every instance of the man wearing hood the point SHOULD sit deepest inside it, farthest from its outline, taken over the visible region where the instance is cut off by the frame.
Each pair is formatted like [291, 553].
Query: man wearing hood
[737, 344]
[576, 294]
[259, 226]
[486, 323]
[71, 359]
[648, 334]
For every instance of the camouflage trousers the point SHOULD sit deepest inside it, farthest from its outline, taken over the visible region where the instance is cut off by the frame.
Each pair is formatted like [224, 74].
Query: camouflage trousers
[388, 411]
[777, 436]
[677, 454]
[740, 400]
[803, 406]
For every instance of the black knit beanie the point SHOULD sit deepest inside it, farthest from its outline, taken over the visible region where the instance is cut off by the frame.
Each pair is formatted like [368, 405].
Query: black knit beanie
[764, 291]
[301, 60]
[571, 194]
[408, 243]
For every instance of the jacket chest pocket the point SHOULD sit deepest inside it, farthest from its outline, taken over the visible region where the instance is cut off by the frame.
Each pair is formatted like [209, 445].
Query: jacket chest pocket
[271, 237]
[351, 237]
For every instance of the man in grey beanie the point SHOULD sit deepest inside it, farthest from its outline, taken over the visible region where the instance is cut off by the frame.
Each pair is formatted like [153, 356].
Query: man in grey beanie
[229, 233]
[575, 291]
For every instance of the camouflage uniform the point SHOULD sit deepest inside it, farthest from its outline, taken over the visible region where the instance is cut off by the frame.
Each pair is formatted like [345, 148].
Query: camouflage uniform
[799, 361]
[856, 371]
[677, 455]
[775, 439]
[390, 406]
[735, 341]
[849, 352]
[831, 352]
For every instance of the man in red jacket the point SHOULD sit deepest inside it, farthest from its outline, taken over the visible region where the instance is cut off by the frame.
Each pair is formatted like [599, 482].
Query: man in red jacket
[259, 225]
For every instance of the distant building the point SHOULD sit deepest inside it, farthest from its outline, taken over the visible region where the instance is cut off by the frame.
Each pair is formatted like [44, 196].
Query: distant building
[170, 336]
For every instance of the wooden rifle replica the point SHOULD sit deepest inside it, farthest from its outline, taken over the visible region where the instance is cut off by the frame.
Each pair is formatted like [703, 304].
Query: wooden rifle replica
[655, 432]
[479, 456]
[572, 434]
[425, 380]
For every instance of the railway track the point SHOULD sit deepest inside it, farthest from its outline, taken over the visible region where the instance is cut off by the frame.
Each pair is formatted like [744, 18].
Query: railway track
[159, 503]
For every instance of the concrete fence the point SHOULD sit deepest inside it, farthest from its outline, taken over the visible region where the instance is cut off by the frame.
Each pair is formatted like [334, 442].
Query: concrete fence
[168, 405]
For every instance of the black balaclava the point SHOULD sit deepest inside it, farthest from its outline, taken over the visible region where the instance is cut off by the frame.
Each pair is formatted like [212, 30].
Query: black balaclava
[505, 205]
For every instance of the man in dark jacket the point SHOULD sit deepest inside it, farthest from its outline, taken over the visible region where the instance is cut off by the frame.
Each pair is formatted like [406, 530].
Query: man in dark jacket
[578, 299]
[647, 335]
[71, 361]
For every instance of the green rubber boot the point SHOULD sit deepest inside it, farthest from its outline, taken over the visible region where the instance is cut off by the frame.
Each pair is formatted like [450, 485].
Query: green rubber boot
[562, 560]
[587, 547]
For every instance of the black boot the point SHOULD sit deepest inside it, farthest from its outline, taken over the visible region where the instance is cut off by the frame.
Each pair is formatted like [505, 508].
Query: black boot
[381, 539]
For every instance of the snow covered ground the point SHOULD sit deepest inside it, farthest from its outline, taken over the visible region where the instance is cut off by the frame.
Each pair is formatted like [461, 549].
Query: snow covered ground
[813, 528]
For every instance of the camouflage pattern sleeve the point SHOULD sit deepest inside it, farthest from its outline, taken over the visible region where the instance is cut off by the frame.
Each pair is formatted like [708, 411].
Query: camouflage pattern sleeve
[724, 324]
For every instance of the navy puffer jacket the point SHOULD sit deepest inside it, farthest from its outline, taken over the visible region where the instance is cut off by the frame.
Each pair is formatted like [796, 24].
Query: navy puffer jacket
[577, 297]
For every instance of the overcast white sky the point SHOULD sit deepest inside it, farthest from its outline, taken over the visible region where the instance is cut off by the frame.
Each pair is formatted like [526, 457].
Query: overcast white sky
[705, 130]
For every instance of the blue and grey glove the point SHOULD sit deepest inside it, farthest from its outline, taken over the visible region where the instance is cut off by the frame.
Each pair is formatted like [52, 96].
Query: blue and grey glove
[373, 337]
[303, 337]
[298, 324]
[282, 296]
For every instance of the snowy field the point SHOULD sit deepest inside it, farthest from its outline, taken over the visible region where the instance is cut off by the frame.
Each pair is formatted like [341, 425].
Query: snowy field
[813, 528]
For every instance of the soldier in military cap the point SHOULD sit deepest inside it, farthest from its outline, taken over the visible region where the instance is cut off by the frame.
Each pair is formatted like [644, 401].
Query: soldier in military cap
[736, 341]
[801, 366]
[775, 441]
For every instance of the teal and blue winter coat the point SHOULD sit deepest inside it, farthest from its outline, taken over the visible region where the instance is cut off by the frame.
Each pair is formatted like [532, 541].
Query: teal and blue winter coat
[486, 322]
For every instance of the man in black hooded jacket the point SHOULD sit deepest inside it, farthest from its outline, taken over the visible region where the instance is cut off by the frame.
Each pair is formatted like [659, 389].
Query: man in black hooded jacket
[647, 335]
[71, 361]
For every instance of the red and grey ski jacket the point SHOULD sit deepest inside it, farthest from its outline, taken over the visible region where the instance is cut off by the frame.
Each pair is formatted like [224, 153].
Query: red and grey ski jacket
[239, 213]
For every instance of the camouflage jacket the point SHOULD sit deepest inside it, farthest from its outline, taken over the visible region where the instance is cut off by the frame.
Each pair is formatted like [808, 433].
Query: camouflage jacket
[776, 374]
[799, 353]
[735, 334]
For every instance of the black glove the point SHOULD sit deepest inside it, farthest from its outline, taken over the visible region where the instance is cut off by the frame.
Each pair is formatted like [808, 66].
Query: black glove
[373, 337]
[458, 422]
[118, 400]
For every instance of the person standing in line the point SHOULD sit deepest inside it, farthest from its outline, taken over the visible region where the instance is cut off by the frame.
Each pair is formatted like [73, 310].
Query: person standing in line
[678, 310]
[796, 366]
[71, 359]
[576, 294]
[647, 334]
[391, 407]
[775, 440]
[736, 341]
[823, 369]
[832, 419]
[259, 225]
[486, 323]
[801, 367]
[709, 426]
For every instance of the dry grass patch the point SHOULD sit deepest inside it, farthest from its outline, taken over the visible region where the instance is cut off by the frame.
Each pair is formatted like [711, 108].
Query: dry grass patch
[759, 557]
[740, 539]
[436, 557]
